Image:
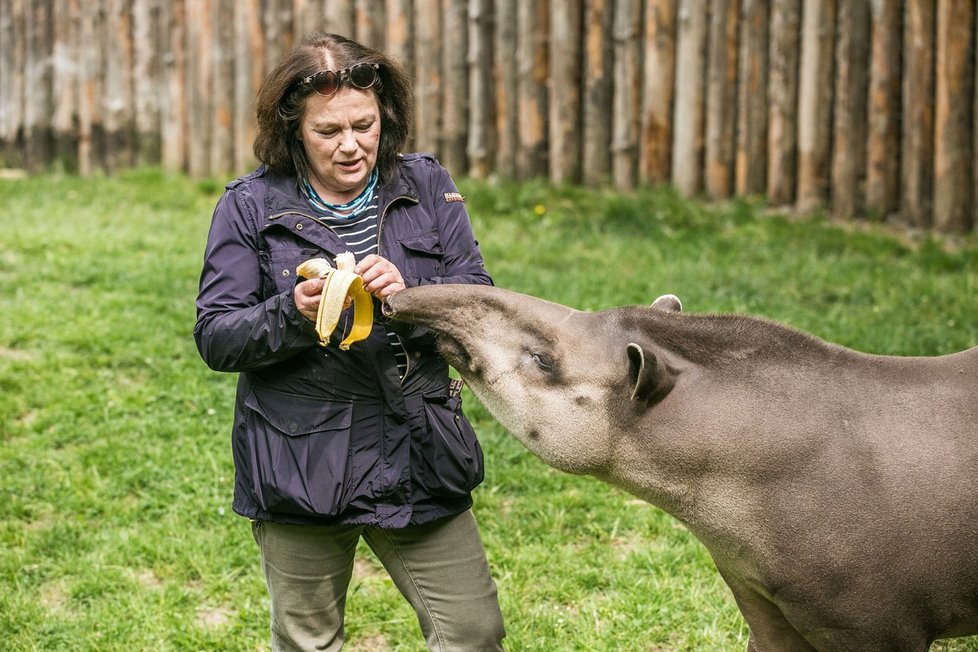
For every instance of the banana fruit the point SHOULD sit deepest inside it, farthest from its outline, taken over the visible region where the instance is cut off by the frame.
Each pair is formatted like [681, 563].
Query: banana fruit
[341, 283]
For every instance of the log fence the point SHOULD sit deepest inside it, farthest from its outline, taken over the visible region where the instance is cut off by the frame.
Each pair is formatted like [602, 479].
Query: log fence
[866, 108]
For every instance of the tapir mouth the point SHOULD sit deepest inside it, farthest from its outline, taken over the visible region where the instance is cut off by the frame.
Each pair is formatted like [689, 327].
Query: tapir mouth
[402, 307]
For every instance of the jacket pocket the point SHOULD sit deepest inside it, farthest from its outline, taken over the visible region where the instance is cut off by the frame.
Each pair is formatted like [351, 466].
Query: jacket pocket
[278, 267]
[451, 462]
[424, 256]
[300, 452]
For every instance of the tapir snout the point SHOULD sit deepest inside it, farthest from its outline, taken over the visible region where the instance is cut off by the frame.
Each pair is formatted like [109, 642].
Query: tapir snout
[836, 491]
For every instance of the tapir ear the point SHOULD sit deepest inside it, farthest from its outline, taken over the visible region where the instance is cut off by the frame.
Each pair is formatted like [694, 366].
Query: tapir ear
[651, 378]
[668, 302]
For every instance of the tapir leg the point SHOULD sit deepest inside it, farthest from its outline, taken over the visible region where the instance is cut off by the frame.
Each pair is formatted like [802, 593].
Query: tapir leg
[769, 630]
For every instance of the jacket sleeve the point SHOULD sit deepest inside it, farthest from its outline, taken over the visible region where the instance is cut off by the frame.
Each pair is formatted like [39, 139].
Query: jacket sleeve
[237, 329]
[462, 257]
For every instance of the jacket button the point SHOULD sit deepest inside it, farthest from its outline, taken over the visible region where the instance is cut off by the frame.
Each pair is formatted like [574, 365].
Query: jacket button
[293, 427]
[285, 272]
[298, 227]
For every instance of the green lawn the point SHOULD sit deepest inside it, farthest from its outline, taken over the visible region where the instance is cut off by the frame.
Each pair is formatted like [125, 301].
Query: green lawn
[115, 470]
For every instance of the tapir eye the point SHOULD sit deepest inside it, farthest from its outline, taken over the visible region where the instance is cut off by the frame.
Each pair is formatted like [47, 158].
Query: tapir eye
[543, 361]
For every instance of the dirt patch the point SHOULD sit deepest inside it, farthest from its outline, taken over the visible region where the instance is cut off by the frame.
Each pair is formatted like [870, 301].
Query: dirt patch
[213, 617]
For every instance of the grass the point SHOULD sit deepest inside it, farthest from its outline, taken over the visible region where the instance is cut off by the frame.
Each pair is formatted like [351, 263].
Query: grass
[115, 470]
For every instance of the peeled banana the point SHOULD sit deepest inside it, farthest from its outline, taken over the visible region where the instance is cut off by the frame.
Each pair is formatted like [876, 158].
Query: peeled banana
[341, 283]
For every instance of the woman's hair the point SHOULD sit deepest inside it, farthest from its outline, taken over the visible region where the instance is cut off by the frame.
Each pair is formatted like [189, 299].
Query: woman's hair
[281, 103]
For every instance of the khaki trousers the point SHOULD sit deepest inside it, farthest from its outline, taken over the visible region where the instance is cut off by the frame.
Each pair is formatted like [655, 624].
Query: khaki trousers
[439, 567]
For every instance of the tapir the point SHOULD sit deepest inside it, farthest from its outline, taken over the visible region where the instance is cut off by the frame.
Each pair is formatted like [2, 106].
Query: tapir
[836, 491]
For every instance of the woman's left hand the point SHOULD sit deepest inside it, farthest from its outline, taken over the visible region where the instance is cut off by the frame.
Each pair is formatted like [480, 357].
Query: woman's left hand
[381, 278]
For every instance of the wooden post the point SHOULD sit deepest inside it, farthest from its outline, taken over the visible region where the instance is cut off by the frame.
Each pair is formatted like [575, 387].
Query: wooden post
[533, 71]
[783, 98]
[814, 104]
[506, 83]
[917, 152]
[11, 81]
[626, 104]
[687, 153]
[721, 97]
[481, 128]
[173, 107]
[339, 17]
[315, 16]
[89, 88]
[565, 91]
[658, 91]
[200, 46]
[249, 71]
[849, 133]
[370, 23]
[399, 37]
[953, 190]
[277, 22]
[222, 88]
[883, 145]
[399, 43]
[455, 93]
[752, 104]
[64, 84]
[598, 53]
[38, 105]
[428, 74]
[147, 82]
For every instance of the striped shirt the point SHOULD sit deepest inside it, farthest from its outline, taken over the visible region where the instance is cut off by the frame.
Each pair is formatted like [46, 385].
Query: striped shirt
[359, 231]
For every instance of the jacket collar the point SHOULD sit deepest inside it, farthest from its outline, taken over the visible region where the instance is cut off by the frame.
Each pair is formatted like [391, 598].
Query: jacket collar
[284, 194]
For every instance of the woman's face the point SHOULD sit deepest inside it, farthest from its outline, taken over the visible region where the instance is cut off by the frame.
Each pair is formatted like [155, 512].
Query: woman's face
[340, 134]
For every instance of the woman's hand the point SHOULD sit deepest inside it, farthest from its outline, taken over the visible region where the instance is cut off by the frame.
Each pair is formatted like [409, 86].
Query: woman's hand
[307, 295]
[380, 277]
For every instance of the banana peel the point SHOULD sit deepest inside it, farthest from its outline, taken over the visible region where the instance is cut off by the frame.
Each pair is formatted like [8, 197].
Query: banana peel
[342, 283]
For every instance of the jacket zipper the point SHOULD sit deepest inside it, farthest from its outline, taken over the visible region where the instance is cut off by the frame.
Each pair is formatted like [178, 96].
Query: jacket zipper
[380, 231]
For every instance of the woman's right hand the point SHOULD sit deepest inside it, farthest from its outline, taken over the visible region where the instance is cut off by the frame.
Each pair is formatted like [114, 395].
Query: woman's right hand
[307, 295]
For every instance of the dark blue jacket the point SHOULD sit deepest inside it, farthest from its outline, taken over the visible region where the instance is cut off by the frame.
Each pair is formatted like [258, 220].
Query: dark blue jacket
[322, 435]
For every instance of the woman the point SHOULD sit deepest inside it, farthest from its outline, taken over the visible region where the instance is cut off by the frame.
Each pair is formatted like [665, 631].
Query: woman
[329, 445]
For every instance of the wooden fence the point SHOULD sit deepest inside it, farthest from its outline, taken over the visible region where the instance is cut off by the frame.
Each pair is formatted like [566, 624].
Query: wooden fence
[865, 107]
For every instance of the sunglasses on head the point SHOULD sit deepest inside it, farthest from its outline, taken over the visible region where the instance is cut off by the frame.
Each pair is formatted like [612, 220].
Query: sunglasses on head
[327, 82]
